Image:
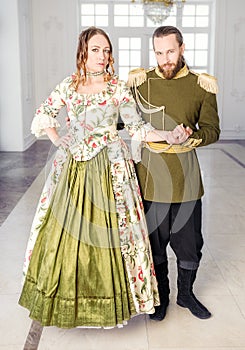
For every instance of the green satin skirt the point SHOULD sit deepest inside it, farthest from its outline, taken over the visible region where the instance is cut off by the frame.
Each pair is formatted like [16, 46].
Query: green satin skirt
[77, 275]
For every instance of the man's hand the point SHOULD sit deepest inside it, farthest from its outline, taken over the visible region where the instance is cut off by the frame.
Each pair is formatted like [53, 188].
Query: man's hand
[171, 139]
[180, 134]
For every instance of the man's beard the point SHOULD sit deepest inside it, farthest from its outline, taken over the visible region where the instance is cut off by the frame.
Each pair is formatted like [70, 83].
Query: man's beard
[171, 73]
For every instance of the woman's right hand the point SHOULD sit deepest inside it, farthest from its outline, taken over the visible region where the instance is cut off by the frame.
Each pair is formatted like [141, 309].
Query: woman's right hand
[68, 122]
[56, 139]
[62, 141]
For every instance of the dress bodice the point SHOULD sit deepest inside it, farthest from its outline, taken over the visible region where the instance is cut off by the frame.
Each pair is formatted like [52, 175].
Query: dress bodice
[93, 117]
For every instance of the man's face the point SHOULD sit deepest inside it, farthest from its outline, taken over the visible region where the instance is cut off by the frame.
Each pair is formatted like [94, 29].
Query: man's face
[169, 55]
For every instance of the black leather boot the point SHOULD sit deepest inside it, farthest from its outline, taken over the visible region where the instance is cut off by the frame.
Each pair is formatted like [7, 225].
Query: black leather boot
[186, 297]
[163, 289]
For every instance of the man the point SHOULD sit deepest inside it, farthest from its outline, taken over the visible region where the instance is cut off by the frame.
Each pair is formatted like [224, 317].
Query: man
[170, 176]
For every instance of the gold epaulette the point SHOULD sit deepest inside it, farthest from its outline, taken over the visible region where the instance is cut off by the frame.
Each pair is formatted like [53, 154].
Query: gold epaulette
[207, 82]
[136, 77]
[187, 146]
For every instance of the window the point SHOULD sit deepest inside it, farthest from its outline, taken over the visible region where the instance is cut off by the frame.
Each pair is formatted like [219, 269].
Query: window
[129, 54]
[128, 15]
[130, 32]
[94, 15]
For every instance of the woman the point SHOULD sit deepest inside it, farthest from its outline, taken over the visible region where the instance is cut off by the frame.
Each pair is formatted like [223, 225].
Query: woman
[88, 261]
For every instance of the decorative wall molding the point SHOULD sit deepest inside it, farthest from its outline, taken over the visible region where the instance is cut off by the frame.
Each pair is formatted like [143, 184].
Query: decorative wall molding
[27, 59]
[54, 55]
[238, 76]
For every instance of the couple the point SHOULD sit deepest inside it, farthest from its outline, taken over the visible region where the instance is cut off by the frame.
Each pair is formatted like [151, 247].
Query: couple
[91, 260]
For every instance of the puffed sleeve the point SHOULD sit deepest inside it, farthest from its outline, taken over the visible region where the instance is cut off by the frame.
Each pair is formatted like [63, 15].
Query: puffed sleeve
[45, 115]
[134, 124]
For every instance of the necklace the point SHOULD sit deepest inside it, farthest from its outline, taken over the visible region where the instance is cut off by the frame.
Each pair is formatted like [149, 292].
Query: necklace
[95, 74]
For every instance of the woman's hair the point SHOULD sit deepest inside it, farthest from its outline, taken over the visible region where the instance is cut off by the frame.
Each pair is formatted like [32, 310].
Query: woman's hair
[82, 55]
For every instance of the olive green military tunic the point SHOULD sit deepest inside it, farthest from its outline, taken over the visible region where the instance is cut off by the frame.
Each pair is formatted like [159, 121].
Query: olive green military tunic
[188, 98]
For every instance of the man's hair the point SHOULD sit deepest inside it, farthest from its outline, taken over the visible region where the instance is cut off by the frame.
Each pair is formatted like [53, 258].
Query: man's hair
[167, 30]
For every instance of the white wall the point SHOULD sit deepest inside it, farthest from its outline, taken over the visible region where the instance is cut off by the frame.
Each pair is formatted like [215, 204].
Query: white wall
[55, 37]
[38, 49]
[11, 130]
[38, 42]
[230, 67]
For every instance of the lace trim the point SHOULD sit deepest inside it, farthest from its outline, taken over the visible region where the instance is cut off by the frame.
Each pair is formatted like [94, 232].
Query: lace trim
[41, 122]
[137, 141]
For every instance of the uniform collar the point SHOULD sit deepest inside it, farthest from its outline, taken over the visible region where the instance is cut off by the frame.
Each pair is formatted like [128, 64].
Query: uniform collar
[181, 73]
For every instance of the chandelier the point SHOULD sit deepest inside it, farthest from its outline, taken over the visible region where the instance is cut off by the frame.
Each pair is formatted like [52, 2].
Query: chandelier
[158, 10]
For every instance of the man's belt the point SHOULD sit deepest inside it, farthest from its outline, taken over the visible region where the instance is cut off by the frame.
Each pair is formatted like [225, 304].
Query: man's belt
[187, 146]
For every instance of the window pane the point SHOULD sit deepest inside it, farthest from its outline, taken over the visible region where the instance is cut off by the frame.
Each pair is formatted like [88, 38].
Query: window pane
[200, 70]
[135, 43]
[201, 41]
[121, 21]
[136, 21]
[136, 9]
[135, 58]
[202, 21]
[121, 10]
[189, 10]
[188, 21]
[101, 10]
[201, 58]
[123, 58]
[87, 9]
[123, 43]
[102, 21]
[189, 41]
[87, 21]
[189, 56]
[202, 10]
[152, 59]
[170, 21]
[123, 73]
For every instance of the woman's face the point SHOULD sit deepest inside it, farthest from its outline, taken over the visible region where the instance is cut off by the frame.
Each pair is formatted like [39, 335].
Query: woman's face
[98, 53]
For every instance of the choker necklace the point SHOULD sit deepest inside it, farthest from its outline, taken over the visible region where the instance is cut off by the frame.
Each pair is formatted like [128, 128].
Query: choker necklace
[95, 74]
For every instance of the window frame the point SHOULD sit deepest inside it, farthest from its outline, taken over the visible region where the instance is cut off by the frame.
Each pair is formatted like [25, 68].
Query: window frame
[145, 33]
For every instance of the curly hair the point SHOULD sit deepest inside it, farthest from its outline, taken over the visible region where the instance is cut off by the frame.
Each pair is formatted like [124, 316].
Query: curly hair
[82, 55]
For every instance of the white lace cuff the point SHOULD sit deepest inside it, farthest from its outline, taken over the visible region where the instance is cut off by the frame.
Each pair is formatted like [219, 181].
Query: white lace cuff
[138, 140]
[41, 122]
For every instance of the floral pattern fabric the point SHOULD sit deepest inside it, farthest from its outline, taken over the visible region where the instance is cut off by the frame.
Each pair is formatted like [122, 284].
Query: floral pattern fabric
[93, 120]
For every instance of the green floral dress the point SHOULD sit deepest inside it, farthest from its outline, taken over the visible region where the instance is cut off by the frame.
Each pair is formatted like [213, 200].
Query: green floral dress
[88, 261]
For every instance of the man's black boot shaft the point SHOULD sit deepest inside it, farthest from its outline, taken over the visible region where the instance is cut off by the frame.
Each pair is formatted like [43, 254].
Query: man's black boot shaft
[186, 297]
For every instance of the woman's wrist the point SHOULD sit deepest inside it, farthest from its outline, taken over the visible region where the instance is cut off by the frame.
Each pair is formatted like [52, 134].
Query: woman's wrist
[156, 135]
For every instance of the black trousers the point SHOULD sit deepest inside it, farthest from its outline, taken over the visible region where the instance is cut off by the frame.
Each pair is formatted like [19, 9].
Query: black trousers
[178, 224]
